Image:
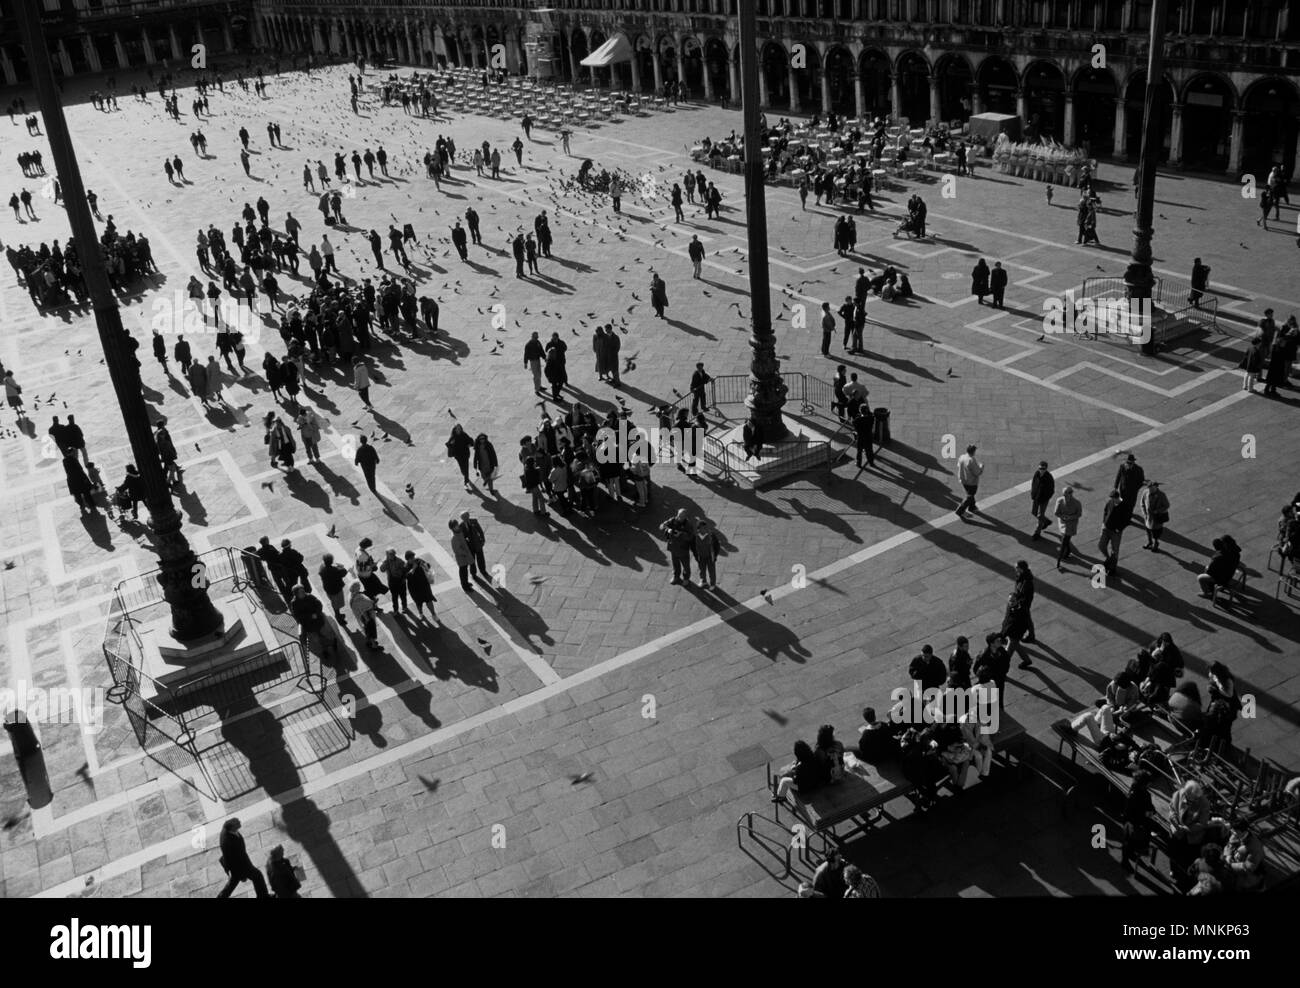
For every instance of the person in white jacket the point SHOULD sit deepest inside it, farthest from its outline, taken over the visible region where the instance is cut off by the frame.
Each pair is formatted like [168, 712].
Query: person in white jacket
[968, 474]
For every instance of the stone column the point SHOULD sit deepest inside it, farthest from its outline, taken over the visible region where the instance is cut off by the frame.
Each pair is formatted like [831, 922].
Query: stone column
[733, 66]
[1234, 150]
[976, 104]
[708, 77]
[1068, 138]
[636, 72]
[1022, 105]
[764, 98]
[148, 48]
[826, 89]
[1121, 126]
[659, 73]
[859, 94]
[895, 99]
[175, 42]
[92, 56]
[122, 62]
[7, 67]
[227, 36]
[935, 109]
[793, 83]
[65, 63]
[1176, 135]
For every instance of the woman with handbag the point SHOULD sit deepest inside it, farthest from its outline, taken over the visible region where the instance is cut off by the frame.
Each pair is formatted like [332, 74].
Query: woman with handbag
[279, 441]
[420, 585]
[1155, 509]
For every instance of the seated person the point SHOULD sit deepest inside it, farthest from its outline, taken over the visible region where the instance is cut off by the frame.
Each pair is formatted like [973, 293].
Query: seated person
[809, 774]
[1122, 693]
[1159, 682]
[904, 287]
[831, 751]
[1185, 706]
[1222, 567]
[827, 881]
[876, 740]
[1190, 826]
[1244, 854]
[1288, 535]
[859, 885]
[1163, 649]
[1208, 874]
[975, 735]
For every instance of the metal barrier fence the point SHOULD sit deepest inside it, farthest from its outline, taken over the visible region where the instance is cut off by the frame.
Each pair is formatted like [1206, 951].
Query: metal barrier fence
[1112, 287]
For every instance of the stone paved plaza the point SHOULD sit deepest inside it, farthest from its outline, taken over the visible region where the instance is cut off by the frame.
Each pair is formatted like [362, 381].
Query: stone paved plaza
[509, 752]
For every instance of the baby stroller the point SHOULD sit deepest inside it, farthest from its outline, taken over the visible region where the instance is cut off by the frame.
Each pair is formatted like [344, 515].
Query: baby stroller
[119, 504]
[911, 226]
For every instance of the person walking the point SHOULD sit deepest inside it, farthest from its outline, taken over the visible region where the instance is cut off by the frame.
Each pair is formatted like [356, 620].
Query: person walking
[294, 566]
[969, 470]
[167, 454]
[14, 396]
[658, 295]
[533, 356]
[485, 461]
[678, 216]
[864, 424]
[1200, 282]
[1155, 512]
[236, 862]
[1115, 517]
[79, 485]
[1129, 479]
[1067, 513]
[706, 548]
[365, 611]
[333, 579]
[997, 284]
[367, 459]
[556, 369]
[361, 379]
[461, 551]
[419, 585]
[1041, 488]
[476, 539]
[979, 280]
[309, 431]
[459, 448]
[394, 570]
[695, 250]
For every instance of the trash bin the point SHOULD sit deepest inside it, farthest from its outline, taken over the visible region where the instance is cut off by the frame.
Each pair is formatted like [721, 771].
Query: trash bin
[882, 426]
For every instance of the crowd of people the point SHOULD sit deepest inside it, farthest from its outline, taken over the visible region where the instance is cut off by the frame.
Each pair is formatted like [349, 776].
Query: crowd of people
[53, 275]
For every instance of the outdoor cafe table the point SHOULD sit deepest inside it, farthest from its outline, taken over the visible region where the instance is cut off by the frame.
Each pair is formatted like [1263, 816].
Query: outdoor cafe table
[867, 787]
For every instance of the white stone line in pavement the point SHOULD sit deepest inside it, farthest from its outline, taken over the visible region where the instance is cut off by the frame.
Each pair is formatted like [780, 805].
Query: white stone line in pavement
[419, 745]
[1174, 392]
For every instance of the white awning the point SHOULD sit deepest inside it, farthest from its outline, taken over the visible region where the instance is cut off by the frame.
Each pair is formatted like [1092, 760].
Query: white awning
[616, 49]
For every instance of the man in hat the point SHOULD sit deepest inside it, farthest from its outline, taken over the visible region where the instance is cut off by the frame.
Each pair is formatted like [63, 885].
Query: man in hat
[1128, 481]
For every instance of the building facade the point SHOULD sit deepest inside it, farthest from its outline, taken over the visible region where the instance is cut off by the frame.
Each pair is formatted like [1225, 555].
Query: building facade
[87, 36]
[1230, 101]
[1075, 69]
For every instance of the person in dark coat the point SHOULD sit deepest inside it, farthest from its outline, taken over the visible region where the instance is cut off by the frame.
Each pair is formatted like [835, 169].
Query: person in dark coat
[293, 565]
[418, 585]
[79, 485]
[460, 240]
[459, 448]
[979, 280]
[556, 372]
[752, 438]
[997, 284]
[517, 248]
[237, 863]
[1041, 488]
[133, 487]
[1277, 366]
[658, 295]
[281, 875]
[1129, 479]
